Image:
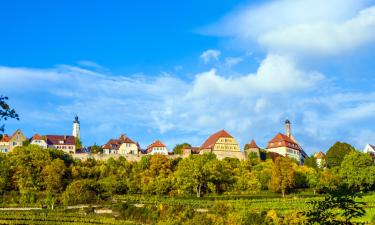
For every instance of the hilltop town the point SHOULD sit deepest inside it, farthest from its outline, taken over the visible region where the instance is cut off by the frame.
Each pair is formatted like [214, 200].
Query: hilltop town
[221, 143]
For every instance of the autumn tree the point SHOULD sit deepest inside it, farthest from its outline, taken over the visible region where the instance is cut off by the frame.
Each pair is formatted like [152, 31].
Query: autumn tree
[179, 148]
[336, 154]
[193, 174]
[53, 174]
[358, 171]
[283, 175]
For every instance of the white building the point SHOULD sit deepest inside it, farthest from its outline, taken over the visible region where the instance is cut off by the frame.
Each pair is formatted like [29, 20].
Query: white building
[38, 140]
[157, 148]
[369, 149]
[123, 146]
[286, 145]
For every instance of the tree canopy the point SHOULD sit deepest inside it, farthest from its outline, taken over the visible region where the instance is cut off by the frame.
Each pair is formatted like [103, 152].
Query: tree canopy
[336, 154]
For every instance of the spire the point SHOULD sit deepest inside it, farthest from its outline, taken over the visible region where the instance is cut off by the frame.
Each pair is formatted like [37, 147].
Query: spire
[288, 130]
[76, 119]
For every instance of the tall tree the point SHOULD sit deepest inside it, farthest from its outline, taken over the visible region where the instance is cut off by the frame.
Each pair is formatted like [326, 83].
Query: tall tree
[358, 171]
[336, 154]
[6, 111]
[283, 175]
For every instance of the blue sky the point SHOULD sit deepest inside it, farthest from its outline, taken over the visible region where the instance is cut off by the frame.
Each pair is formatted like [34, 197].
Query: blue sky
[179, 71]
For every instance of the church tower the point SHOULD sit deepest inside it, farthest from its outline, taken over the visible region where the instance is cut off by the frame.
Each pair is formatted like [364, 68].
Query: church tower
[288, 131]
[76, 127]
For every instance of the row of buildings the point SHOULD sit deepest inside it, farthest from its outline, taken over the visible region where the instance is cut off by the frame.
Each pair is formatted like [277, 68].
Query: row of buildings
[66, 143]
[221, 143]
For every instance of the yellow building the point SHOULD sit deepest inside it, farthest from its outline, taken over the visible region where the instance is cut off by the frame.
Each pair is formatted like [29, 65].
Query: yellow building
[223, 145]
[8, 143]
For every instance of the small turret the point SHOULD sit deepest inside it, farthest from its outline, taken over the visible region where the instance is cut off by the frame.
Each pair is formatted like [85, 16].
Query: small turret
[288, 130]
[76, 127]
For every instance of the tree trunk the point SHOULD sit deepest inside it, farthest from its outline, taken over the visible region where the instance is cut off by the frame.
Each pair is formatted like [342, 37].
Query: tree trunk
[199, 187]
[283, 192]
[314, 191]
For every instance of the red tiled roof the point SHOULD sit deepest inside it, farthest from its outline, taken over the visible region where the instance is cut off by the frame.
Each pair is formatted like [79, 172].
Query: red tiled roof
[252, 144]
[5, 138]
[281, 140]
[209, 143]
[124, 139]
[319, 155]
[116, 143]
[37, 137]
[156, 143]
[56, 139]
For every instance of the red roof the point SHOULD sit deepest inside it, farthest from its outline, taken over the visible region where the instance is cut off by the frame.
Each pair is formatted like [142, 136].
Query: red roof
[319, 155]
[155, 144]
[116, 143]
[37, 137]
[5, 138]
[60, 140]
[281, 140]
[252, 144]
[210, 142]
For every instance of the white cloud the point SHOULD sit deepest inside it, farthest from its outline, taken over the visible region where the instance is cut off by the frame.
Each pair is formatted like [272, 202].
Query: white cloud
[302, 26]
[275, 74]
[91, 65]
[210, 54]
[166, 107]
[232, 61]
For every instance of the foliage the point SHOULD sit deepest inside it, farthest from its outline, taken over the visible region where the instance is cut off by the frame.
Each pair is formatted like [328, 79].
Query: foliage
[78, 143]
[336, 154]
[338, 207]
[6, 111]
[283, 175]
[358, 171]
[311, 162]
[179, 148]
[95, 149]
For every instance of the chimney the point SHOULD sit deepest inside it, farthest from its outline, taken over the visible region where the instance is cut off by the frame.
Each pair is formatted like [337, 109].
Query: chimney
[287, 128]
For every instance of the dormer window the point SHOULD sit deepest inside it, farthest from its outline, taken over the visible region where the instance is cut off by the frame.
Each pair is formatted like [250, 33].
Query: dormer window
[61, 142]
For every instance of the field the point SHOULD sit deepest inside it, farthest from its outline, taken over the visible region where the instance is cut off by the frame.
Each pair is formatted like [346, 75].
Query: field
[140, 213]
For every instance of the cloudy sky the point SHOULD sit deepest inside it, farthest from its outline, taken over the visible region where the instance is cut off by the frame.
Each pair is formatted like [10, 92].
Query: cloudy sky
[179, 71]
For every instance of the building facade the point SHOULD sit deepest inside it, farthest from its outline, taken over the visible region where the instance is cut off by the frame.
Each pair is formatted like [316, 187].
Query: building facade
[123, 146]
[286, 145]
[38, 140]
[66, 143]
[8, 143]
[252, 147]
[320, 159]
[157, 147]
[223, 145]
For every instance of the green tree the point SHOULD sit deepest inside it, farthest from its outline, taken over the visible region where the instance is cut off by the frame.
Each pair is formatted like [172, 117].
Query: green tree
[311, 162]
[336, 154]
[6, 111]
[283, 175]
[78, 143]
[53, 176]
[95, 149]
[179, 148]
[27, 164]
[358, 171]
[338, 207]
[192, 175]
